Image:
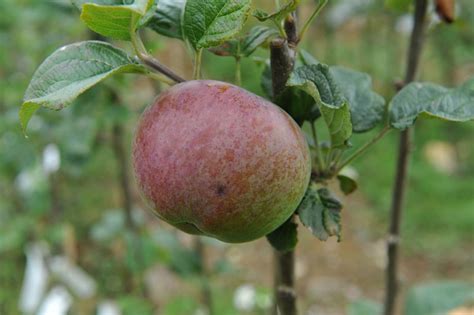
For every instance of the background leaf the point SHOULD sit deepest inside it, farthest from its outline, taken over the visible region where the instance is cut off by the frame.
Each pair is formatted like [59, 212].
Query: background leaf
[114, 21]
[279, 15]
[257, 36]
[209, 23]
[245, 46]
[285, 237]
[70, 71]
[438, 298]
[364, 307]
[300, 105]
[347, 184]
[367, 107]
[167, 18]
[320, 212]
[317, 81]
[428, 99]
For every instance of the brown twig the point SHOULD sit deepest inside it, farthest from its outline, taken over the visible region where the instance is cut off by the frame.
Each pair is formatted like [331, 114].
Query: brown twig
[414, 53]
[151, 61]
[156, 65]
[282, 59]
[118, 137]
[206, 293]
[281, 63]
[284, 282]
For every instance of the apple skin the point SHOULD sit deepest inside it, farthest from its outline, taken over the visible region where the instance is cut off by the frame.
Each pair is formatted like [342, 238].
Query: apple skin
[216, 160]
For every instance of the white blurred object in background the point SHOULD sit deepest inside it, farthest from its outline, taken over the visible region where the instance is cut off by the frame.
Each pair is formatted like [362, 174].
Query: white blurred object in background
[30, 180]
[404, 24]
[36, 278]
[51, 159]
[245, 297]
[442, 156]
[342, 11]
[108, 308]
[76, 279]
[57, 302]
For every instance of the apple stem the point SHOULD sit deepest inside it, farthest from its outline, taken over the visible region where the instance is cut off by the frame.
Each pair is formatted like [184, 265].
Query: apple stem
[238, 71]
[362, 149]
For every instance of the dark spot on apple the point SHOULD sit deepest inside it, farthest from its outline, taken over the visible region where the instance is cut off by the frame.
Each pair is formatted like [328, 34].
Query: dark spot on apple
[221, 190]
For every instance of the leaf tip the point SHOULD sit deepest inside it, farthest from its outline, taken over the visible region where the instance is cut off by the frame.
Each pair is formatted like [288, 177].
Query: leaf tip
[27, 111]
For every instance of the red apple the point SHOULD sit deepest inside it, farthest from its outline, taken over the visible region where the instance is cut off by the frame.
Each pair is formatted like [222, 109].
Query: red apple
[214, 159]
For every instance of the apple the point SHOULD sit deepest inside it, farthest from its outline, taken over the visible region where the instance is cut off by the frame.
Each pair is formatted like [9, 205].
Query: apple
[216, 160]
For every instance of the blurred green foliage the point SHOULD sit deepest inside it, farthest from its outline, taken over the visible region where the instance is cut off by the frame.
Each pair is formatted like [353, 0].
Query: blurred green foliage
[429, 298]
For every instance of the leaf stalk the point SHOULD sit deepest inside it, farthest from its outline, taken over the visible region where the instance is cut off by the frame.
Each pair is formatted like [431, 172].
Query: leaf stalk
[238, 71]
[197, 64]
[307, 24]
[321, 165]
[362, 149]
[151, 61]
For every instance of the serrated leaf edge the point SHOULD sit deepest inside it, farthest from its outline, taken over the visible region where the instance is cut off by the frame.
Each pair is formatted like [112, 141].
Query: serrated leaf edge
[30, 106]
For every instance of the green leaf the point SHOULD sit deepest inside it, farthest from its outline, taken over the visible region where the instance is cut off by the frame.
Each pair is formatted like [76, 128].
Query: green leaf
[431, 100]
[438, 298]
[257, 36]
[167, 18]
[114, 21]
[364, 307]
[317, 81]
[311, 211]
[320, 212]
[70, 71]
[347, 184]
[367, 107]
[285, 237]
[210, 23]
[339, 124]
[299, 104]
[279, 15]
